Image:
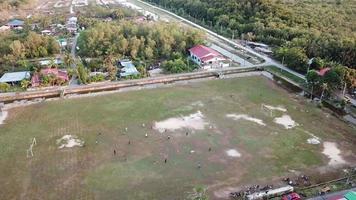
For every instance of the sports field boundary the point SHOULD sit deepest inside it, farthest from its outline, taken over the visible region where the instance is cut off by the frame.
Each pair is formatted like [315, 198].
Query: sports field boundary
[56, 92]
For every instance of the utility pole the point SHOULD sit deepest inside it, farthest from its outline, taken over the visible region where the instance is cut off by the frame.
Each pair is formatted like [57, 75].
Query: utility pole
[344, 90]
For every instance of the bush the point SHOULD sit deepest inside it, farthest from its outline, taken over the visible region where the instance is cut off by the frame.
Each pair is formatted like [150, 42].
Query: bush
[4, 87]
[177, 66]
[97, 78]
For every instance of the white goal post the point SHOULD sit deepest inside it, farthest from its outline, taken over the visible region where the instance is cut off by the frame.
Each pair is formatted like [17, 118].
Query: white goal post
[29, 150]
[266, 110]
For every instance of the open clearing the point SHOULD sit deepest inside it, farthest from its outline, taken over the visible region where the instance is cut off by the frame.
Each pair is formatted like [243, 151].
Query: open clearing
[185, 124]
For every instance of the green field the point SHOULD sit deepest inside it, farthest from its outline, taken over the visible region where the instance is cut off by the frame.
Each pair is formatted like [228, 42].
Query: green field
[138, 171]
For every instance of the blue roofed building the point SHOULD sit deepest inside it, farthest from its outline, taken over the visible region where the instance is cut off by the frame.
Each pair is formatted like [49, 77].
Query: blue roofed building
[15, 77]
[127, 68]
[15, 24]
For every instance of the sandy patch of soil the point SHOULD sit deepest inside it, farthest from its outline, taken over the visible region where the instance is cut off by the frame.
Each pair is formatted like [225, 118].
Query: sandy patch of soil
[198, 104]
[233, 153]
[193, 121]
[285, 121]
[3, 116]
[333, 152]
[278, 108]
[313, 140]
[246, 117]
[69, 141]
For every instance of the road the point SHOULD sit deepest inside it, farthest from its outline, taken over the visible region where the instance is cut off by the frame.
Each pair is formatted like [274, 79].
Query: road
[222, 44]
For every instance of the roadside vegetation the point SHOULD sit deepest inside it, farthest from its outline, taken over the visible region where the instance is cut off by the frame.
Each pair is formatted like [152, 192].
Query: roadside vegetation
[149, 44]
[16, 48]
[298, 30]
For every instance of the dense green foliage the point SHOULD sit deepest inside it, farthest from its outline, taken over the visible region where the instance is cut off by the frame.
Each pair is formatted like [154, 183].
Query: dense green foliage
[144, 43]
[140, 42]
[16, 47]
[311, 28]
[178, 65]
[95, 14]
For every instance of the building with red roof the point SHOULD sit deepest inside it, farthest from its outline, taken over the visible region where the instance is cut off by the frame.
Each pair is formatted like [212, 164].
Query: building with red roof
[59, 74]
[323, 71]
[207, 57]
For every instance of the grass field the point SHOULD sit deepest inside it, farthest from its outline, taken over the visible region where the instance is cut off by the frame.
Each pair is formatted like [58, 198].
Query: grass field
[138, 171]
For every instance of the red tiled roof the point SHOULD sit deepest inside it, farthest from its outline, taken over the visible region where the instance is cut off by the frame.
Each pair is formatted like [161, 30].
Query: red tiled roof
[210, 57]
[35, 80]
[323, 71]
[202, 51]
[58, 73]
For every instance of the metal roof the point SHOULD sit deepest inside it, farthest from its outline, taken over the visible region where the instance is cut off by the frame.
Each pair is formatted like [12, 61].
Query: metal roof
[15, 22]
[14, 76]
[350, 195]
[128, 68]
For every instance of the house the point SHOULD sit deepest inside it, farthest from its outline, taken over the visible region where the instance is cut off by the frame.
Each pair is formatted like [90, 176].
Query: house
[207, 58]
[57, 73]
[72, 24]
[323, 71]
[15, 77]
[15, 24]
[127, 68]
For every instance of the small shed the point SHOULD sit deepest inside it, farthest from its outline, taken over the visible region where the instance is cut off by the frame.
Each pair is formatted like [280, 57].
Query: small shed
[15, 24]
[15, 77]
[127, 68]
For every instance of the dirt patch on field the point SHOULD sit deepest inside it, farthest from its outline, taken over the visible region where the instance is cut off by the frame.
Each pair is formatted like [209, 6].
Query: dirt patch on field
[246, 117]
[285, 121]
[278, 108]
[3, 116]
[313, 140]
[193, 121]
[69, 141]
[233, 153]
[333, 152]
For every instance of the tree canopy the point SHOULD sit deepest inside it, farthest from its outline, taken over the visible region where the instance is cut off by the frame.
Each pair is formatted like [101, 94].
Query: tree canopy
[324, 29]
[153, 41]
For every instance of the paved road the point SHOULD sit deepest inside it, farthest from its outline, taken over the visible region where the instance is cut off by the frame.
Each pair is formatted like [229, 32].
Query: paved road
[222, 41]
[332, 195]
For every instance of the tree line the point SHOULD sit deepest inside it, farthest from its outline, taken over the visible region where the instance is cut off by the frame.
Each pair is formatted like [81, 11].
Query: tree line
[304, 29]
[145, 43]
[16, 48]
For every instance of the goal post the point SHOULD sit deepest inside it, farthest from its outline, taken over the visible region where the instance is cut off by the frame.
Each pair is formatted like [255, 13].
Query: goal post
[29, 151]
[266, 110]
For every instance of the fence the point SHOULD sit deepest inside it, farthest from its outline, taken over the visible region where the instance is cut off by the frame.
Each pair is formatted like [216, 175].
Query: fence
[116, 85]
